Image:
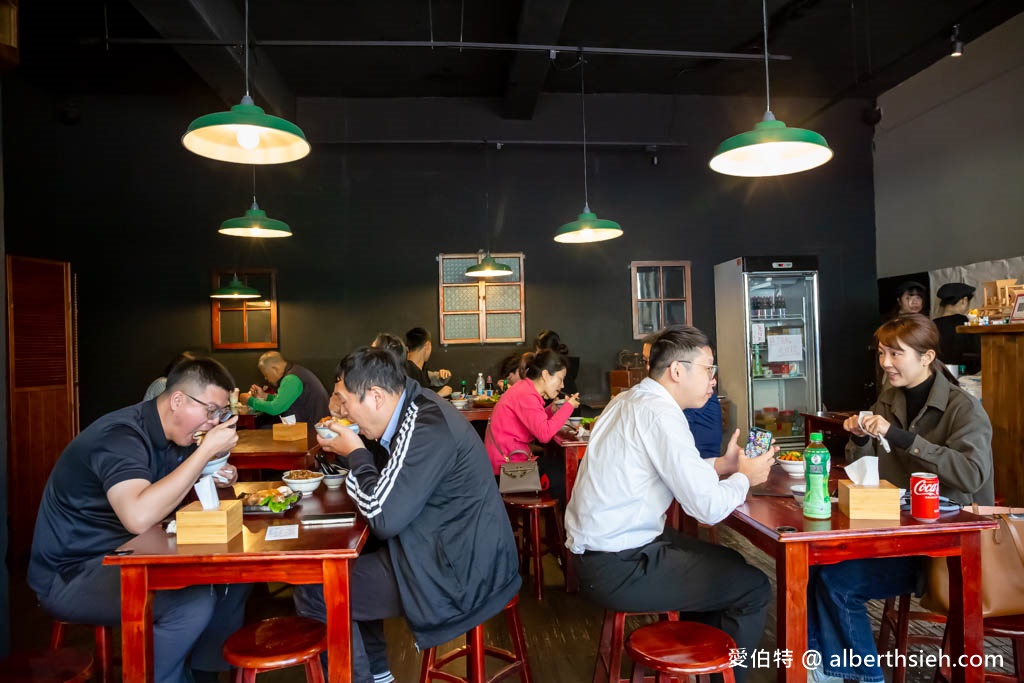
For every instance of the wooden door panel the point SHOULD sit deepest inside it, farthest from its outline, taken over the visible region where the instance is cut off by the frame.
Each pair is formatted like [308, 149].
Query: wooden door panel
[42, 404]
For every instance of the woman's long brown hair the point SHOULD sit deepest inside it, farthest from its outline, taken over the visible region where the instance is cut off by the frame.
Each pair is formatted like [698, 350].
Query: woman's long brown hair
[916, 332]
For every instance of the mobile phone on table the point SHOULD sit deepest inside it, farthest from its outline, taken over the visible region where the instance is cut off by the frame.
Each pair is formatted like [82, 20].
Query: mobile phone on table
[758, 442]
[335, 518]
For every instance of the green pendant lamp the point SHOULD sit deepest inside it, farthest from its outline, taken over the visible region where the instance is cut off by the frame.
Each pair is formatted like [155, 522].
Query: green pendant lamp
[771, 148]
[255, 222]
[587, 227]
[235, 290]
[246, 134]
[488, 267]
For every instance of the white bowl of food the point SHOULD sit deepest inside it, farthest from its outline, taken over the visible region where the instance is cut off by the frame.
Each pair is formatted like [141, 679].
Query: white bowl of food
[575, 422]
[214, 465]
[304, 481]
[324, 430]
[792, 462]
[335, 481]
[460, 403]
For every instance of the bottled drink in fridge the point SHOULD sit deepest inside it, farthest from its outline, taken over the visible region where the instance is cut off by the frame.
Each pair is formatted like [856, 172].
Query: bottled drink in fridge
[817, 503]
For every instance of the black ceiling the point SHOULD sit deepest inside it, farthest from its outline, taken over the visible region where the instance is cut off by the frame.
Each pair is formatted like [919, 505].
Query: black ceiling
[838, 48]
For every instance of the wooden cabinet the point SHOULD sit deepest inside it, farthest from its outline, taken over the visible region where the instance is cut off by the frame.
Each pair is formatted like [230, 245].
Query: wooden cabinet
[1002, 372]
[620, 380]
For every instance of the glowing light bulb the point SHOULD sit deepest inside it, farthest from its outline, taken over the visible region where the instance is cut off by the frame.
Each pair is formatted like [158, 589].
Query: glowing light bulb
[248, 137]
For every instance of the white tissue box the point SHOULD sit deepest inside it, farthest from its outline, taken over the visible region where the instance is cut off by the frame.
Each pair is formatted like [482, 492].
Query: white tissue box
[869, 502]
[196, 525]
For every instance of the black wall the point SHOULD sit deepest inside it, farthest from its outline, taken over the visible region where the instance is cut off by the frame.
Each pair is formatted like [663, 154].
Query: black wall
[136, 215]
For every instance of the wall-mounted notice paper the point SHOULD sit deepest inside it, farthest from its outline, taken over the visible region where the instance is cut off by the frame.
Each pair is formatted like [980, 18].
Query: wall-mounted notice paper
[757, 333]
[785, 347]
[282, 532]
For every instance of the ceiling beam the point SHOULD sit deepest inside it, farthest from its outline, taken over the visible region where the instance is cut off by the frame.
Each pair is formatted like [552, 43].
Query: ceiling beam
[540, 21]
[222, 67]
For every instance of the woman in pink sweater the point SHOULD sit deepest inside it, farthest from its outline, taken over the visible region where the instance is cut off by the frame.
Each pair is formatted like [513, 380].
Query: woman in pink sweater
[520, 417]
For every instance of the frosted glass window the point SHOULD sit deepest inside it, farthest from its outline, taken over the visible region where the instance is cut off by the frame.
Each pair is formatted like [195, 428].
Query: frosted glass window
[480, 310]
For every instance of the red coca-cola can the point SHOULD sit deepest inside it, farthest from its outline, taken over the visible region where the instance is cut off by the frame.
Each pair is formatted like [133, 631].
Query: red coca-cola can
[924, 496]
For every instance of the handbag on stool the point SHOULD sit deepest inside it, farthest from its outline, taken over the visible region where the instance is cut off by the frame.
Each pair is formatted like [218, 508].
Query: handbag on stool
[521, 476]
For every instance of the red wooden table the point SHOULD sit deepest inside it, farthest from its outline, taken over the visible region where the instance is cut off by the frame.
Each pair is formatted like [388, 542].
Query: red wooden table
[956, 536]
[830, 421]
[574, 449]
[320, 554]
[475, 412]
[257, 449]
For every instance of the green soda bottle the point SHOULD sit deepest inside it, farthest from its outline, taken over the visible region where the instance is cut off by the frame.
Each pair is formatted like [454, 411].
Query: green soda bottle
[817, 504]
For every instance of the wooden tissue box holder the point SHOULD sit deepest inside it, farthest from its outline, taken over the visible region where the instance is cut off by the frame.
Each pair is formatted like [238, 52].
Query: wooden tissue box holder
[869, 502]
[196, 525]
[295, 432]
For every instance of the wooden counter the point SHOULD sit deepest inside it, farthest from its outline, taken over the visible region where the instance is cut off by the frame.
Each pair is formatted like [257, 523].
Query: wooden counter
[1002, 373]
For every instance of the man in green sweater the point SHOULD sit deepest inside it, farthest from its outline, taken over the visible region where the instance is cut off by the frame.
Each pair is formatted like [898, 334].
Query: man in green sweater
[299, 391]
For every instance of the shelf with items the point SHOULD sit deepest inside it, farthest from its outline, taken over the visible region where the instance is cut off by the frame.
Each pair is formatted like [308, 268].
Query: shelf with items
[779, 319]
[764, 378]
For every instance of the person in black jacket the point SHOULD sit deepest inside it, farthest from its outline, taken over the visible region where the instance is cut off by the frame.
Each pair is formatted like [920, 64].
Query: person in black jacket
[450, 559]
[957, 349]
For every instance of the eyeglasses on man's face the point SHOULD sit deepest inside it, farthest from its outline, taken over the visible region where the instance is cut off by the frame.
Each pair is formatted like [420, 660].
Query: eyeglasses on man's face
[712, 369]
[213, 412]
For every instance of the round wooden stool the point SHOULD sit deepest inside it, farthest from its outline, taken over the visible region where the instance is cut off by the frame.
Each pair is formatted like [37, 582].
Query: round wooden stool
[680, 648]
[474, 651]
[528, 508]
[608, 667]
[277, 644]
[66, 665]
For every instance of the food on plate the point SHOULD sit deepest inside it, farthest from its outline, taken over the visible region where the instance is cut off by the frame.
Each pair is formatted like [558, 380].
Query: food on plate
[275, 500]
[302, 474]
[587, 422]
[791, 456]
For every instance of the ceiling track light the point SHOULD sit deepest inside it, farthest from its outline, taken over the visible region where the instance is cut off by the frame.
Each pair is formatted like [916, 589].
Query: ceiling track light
[770, 149]
[587, 227]
[956, 46]
[246, 134]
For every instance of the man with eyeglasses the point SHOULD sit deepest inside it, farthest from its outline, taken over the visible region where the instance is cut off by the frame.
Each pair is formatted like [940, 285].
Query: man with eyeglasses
[119, 477]
[640, 457]
[705, 422]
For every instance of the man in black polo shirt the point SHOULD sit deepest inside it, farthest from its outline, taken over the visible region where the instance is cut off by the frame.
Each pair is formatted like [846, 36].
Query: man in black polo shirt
[121, 476]
[417, 341]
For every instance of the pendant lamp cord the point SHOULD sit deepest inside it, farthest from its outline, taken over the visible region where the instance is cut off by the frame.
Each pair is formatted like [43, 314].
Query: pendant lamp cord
[245, 53]
[583, 109]
[254, 184]
[487, 198]
[767, 84]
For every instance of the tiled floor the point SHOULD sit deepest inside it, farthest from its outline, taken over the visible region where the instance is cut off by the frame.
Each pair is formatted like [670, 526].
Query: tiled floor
[561, 630]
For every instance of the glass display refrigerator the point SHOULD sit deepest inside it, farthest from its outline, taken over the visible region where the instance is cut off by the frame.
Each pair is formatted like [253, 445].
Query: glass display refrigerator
[766, 310]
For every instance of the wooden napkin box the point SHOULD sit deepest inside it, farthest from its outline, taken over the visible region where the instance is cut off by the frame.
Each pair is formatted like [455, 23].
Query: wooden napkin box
[869, 502]
[295, 432]
[196, 525]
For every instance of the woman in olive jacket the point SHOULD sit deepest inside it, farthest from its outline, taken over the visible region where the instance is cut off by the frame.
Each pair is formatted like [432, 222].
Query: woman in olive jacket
[932, 425]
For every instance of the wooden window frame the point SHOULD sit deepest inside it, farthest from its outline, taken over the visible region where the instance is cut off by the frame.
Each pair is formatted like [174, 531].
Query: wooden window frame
[218, 305]
[636, 300]
[482, 310]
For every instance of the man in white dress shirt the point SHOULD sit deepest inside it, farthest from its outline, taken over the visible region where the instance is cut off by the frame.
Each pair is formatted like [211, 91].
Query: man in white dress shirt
[641, 455]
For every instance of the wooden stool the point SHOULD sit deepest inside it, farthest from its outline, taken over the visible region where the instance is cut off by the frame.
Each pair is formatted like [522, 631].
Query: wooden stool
[528, 508]
[474, 651]
[65, 665]
[103, 651]
[277, 644]
[680, 648]
[1011, 627]
[608, 667]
